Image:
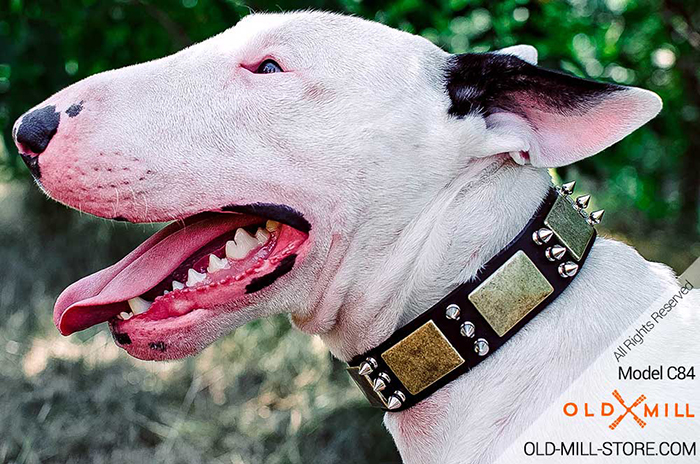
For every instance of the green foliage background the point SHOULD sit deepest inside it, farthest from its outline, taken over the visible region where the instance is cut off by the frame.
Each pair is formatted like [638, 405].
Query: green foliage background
[267, 393]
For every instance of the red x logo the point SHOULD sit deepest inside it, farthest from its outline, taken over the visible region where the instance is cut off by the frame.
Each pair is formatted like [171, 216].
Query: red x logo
[628, 410]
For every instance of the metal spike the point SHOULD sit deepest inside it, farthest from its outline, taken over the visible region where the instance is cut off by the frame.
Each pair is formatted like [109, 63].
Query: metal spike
[568, 269]
[555, 253]
[595, 217]
[582, 201]
[381, 382]
[542, 236]
[568, 188]
[367, 366]
[378, 385]
[452, 312]
[467, 329]
[481, 347]
[396, 400]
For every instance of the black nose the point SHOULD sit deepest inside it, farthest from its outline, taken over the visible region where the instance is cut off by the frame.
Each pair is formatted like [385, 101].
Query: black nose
[37, 129]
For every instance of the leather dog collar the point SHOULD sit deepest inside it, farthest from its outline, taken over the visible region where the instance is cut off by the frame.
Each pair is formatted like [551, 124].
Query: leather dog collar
[479, 316]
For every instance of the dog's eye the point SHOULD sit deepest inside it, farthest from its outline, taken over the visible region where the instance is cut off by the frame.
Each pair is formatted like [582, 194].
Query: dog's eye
[268, 67]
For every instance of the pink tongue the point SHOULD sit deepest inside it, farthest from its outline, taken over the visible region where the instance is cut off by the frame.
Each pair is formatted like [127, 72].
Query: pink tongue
[99, 297]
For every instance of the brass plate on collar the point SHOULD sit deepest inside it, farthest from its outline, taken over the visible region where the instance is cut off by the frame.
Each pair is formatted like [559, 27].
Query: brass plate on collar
[572, 229]
[422, 358]
[510, 293]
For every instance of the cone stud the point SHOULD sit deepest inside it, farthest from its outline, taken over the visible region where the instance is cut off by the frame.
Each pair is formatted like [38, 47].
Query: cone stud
[481, 347]
[452, 312]
[396, 400]
[467, 329]
[542, 236]
[555, 253]
[582, 201]
[367, 366]
[595, 217]
[568, 269]
[568, 188]
[381, 382]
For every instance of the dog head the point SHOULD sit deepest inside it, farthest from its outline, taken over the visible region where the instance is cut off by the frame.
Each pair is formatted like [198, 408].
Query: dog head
[291, 151]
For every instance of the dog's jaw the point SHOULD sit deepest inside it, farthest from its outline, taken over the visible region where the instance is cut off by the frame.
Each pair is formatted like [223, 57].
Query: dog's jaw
[182, 322]
[185, 283]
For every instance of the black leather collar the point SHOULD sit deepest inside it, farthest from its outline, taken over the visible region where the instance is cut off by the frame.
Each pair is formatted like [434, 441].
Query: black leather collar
[478, 317]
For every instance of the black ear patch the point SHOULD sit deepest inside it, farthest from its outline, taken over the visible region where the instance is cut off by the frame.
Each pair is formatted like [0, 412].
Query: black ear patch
[282, 268]
[487, 83]
[281, 213]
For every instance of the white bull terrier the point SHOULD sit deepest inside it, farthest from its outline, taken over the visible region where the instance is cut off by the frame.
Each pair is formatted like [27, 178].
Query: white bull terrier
[370, 172]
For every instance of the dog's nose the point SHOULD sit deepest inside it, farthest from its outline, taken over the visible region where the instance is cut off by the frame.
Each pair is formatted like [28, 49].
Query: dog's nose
[37, 128]
[34, 133]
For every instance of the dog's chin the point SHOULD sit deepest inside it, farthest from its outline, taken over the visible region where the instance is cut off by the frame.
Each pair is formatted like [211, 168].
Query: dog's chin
[189, 283]
[173, 338]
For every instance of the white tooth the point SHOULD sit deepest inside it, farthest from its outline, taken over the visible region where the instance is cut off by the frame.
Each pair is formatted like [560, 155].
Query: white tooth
[240, 246]
[216, 264]
[178, 285]
[262, 236]
[124, 316]
[244, 239]
[233, 251]
[194, 277]
[165, 292]
[138, 305]
[272, 225]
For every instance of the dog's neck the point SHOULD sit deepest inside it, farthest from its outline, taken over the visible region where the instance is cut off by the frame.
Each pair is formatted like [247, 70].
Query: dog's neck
[472, 219]
[458, 231]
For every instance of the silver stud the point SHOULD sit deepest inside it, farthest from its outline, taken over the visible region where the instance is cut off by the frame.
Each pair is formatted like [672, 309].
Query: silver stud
[452, 312]
[582, 201]
[555, 253]
[481, 347]
[542, 236]
[595, 217]
[396, 400]
[568, 269]
[467, 329]
[381, 382]
[568, 188]
[367, 366]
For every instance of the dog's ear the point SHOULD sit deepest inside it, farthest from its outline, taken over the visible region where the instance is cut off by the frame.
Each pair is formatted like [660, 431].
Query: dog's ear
[543, 117]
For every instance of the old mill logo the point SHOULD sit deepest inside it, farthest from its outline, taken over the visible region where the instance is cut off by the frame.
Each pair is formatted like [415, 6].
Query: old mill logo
[628, 410]
[640, 410]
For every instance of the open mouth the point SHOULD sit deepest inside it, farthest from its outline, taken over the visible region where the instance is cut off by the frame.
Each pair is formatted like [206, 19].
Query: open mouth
[186, 274]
